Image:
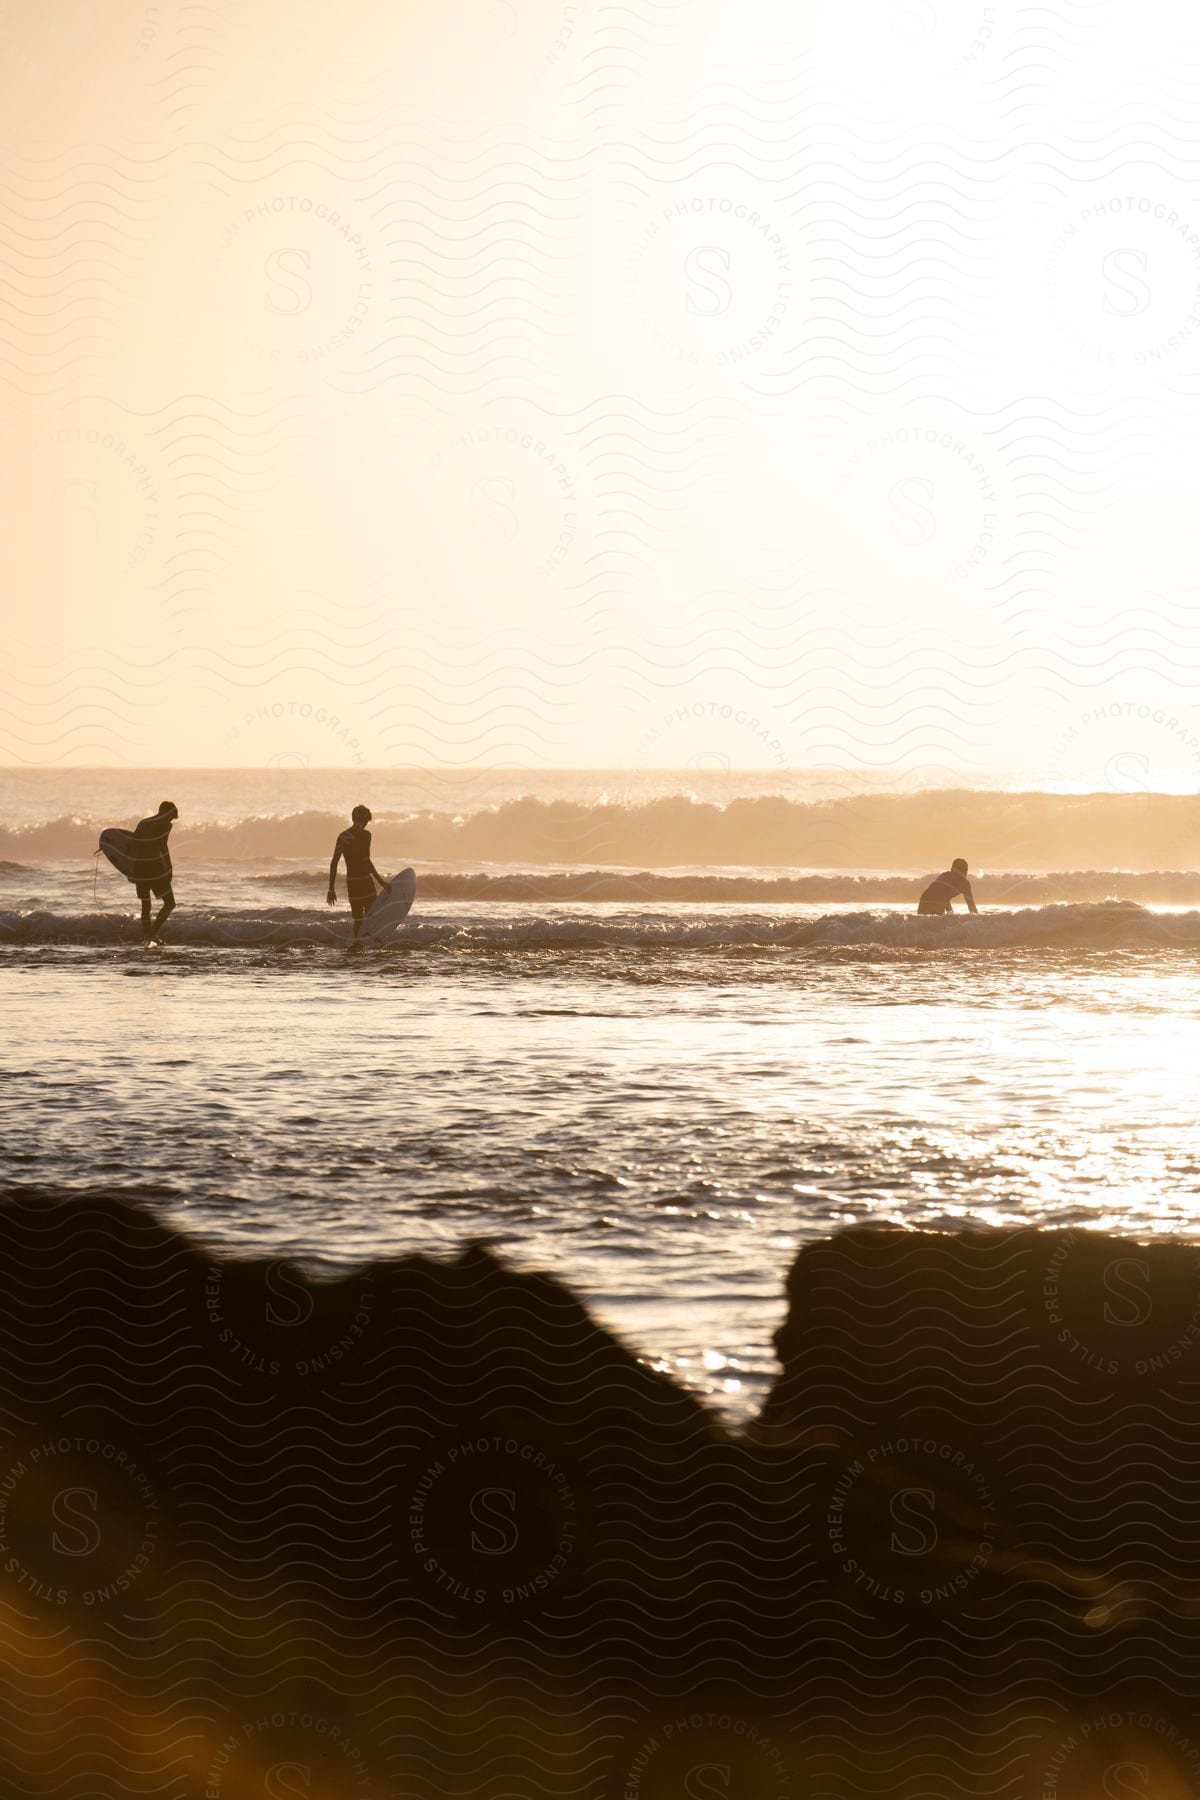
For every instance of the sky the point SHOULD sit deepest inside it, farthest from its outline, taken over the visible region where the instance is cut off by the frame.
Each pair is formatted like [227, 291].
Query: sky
[684, 384]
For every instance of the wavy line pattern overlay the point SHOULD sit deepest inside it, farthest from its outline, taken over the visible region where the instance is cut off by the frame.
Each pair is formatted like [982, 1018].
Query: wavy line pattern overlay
[427, 1529]
[552, 383]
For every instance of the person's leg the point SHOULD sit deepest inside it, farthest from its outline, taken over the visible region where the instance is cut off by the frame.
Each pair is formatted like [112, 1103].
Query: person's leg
[164, 911]
[358, 908]
[143, 894]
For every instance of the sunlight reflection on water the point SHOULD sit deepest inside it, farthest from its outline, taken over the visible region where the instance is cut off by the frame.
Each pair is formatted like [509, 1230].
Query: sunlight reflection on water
[663, 1144]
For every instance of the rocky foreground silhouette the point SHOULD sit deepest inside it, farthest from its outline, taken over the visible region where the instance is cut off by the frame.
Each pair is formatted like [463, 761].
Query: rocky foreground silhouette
[432, 1531]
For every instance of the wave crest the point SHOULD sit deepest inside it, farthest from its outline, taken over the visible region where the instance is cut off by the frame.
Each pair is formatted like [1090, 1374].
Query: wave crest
[1105, 925]
[914, 832]
[597, 886]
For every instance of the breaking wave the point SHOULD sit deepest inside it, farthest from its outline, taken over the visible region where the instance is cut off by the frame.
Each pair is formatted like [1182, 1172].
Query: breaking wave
[1169, 887]
[920, 831]
[1108, 925]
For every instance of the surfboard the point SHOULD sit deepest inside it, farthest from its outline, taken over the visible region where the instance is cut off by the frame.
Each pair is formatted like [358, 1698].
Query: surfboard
[132, 856]
[389, 909]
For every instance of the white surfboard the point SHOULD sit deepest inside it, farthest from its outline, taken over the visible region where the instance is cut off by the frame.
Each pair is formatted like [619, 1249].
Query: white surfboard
[389, 908]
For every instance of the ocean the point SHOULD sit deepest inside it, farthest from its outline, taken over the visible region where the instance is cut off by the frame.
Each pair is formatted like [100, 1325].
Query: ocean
[646, 1033]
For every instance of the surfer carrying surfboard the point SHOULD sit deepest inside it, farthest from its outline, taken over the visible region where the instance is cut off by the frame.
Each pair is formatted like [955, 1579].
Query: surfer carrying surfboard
[354, 844]
[143, 857]
[152, 865]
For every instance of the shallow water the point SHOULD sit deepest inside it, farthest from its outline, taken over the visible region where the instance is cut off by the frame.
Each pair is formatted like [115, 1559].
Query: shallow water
[656, 1106]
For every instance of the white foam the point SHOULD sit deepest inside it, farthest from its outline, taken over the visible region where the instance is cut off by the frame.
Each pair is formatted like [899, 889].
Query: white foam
[1095, 925]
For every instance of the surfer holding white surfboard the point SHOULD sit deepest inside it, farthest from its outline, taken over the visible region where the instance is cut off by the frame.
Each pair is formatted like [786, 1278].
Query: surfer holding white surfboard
[354, 844]
[144, 857]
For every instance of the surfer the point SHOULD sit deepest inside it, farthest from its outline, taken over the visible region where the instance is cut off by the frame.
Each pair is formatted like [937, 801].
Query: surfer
[361, 874]
[152, 867]
[939, 895]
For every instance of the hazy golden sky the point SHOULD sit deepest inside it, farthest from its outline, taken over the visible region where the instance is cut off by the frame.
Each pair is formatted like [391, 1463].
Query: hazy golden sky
[523, 382]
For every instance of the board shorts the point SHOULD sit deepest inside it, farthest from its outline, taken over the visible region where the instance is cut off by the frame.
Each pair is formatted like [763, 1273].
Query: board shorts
[160, 888]
[360, 891]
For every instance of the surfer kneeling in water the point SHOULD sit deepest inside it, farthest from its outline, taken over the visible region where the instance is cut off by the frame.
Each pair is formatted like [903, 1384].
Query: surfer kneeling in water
[361, 874]
[939, 895]
[153, 874]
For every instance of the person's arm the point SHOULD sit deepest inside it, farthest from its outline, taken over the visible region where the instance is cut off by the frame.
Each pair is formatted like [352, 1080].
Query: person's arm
[969, 897]
[382, 880]
[331, 896]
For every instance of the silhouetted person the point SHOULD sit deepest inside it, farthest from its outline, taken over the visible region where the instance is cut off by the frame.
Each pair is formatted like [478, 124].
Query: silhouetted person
[361, 874]
[152, 867]
[939, 895]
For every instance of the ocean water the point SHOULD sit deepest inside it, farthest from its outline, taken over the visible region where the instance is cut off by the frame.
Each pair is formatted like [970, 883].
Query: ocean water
[657, 1096]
